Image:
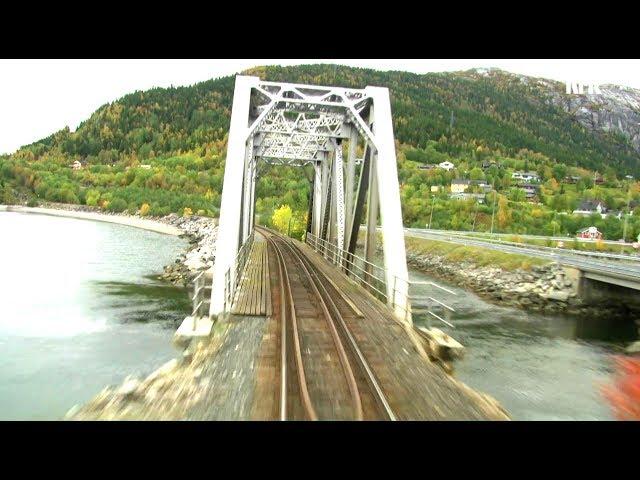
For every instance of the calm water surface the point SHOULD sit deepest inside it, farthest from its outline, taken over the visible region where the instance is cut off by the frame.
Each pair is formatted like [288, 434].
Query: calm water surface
[80, 308]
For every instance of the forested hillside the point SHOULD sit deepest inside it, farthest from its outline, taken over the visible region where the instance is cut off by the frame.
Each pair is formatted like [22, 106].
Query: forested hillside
[464, 117]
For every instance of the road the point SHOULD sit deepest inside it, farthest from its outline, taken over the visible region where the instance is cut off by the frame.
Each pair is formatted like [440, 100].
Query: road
[617, 266]
[487, 235]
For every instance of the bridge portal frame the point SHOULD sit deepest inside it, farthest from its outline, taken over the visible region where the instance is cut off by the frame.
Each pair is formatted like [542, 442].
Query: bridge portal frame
[293, 124]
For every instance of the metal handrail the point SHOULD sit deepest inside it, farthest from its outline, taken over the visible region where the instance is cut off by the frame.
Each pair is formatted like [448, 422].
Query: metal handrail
[365, 275]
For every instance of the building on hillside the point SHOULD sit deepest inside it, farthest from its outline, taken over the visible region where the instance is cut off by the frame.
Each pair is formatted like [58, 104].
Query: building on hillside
[479, 197]
[526, 176]
[146, 167]
[486, 164]
[76, 165]
[571, 179]
[530, 190]
[436, 188]
[589, 232]
[589, 207]
[427, 166]
[460, 185]
[446, 165]
[485, 187]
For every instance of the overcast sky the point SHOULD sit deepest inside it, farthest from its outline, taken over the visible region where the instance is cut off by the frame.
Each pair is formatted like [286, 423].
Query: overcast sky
[39, 97]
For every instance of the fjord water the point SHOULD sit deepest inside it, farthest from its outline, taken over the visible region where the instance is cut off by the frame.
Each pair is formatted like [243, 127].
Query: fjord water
[539, 367]
[80, 308]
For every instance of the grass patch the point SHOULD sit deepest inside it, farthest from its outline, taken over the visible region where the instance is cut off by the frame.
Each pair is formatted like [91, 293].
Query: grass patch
[482, 257]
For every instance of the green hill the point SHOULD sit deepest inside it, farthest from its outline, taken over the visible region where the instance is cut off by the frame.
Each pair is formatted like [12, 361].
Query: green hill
[466, 117]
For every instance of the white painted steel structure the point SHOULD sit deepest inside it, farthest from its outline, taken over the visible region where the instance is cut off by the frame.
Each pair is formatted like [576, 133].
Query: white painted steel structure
[299, 125]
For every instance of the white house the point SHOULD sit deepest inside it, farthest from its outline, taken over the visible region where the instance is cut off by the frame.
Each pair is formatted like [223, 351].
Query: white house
[588, 207]
[526, 176]
[76, 165]
[446, 165]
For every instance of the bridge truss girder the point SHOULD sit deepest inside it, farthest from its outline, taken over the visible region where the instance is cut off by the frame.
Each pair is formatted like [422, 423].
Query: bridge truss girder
[297, 125]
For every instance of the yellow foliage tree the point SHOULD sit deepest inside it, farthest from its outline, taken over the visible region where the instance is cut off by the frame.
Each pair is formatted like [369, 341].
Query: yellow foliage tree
[504, 212]
[187, 212]
[144, 209]
[281, 218]
[288, 222]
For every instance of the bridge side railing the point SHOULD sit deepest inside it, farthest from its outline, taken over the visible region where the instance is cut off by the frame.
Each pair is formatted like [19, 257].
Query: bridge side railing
[372, 277]
[237, 267]
[198, 299]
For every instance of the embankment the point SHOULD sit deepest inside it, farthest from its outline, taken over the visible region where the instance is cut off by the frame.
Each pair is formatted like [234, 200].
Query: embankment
[506, 279]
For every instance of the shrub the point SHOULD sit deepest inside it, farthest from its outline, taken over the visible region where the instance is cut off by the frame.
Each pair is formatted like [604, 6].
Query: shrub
[117, 205]
[187, 212]
[144, 209]
[33, 202]
[92, 198]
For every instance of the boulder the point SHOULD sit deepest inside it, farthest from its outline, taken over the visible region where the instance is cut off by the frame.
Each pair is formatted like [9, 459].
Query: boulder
[560, 296]
[633, 348]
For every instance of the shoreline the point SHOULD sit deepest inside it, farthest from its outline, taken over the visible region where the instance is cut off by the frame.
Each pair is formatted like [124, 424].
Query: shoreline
[200, 232]
[128, 220]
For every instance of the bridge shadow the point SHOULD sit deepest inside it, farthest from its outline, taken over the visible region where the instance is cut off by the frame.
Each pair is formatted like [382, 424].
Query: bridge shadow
[143, 302]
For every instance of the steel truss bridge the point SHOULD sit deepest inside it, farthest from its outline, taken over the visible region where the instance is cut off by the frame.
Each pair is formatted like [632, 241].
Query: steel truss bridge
[346, 136]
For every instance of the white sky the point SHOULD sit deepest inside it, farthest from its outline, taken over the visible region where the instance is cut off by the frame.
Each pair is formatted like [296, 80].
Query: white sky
[39, 97]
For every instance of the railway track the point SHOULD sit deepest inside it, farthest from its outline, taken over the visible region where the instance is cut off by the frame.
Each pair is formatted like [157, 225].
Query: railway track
[323, 373]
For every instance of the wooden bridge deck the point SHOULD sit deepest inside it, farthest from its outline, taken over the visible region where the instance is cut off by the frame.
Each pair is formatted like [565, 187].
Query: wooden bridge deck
[254, 295]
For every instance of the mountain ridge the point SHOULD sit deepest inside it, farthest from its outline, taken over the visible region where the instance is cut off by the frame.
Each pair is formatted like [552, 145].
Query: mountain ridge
[506, 111]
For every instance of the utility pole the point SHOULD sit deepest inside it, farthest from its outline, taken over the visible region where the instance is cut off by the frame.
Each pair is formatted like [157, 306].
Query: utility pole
[626, 218]
[431, 216]
[473, 228]
[495, 195]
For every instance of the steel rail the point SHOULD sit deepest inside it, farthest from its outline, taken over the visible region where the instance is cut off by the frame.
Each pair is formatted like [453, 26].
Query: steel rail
[379, 395]
[304, 391]
[342, 354]
[283, 338]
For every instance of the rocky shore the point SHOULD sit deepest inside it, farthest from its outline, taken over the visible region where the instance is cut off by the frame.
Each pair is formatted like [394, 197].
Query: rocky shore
[201, 233]
[543, 288]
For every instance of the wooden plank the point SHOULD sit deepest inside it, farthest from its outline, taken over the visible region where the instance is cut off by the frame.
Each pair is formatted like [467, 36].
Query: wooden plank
[260, 280]
[263, 298]
[263, 283]
[255, 285]
[255, 280]
[267, 308]
[250, 285]
[254, 290]
[242, 293]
